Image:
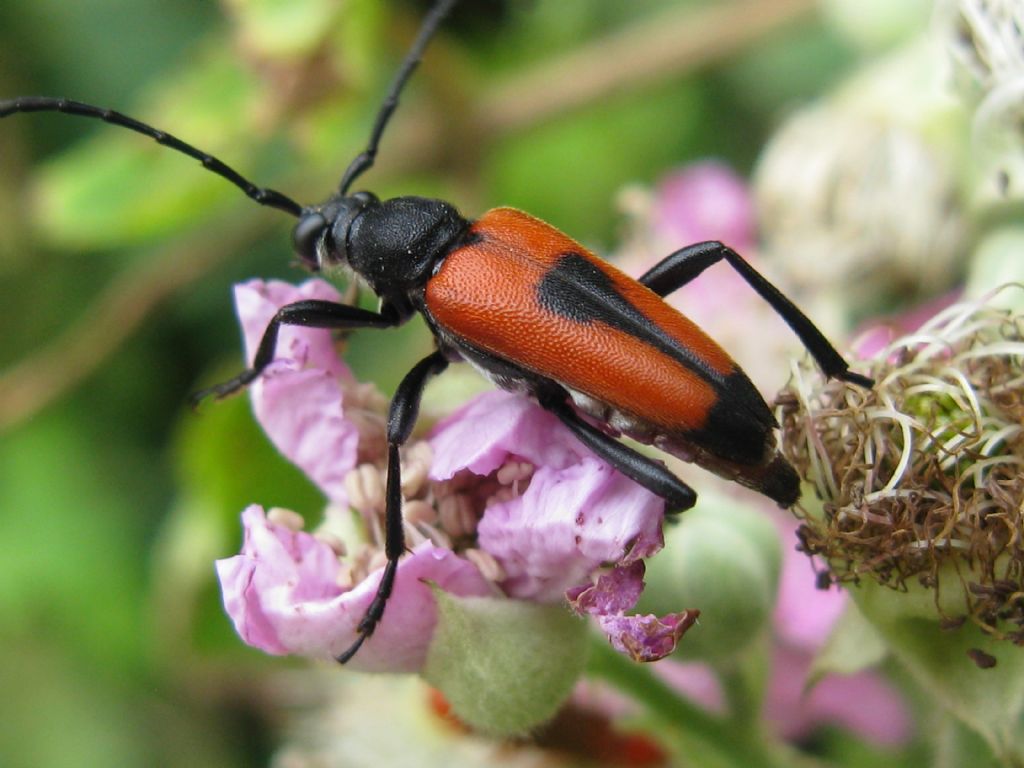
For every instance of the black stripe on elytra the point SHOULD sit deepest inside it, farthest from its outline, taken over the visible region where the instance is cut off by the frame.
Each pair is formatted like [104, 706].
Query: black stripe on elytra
[738, 425]
[579, 290]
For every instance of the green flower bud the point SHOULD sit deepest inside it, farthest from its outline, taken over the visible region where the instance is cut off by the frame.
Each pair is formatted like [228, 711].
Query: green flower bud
[504, 666]
[723, 558]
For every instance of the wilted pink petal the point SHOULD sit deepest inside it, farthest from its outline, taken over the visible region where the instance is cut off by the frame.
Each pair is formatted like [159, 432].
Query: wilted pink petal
[647, 638]
[642, 638]
[614, 592]
[705, 201]
[864, 703]
[282, 594]
[299, 398]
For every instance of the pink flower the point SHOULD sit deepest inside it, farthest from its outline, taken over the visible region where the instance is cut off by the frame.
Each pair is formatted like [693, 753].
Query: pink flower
[864, 703]
[804, 615]
[883, 331]
[282, 594]
[513, 506]
[575, 515]
[705, 201]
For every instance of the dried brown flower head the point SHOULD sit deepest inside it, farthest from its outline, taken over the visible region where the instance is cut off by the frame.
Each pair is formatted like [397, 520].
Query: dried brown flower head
[923, 477]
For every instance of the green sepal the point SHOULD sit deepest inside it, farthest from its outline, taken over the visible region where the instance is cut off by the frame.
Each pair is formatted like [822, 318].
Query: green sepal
[505, 666]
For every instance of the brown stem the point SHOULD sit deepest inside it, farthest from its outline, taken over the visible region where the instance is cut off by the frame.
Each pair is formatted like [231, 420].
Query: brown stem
[670, 43]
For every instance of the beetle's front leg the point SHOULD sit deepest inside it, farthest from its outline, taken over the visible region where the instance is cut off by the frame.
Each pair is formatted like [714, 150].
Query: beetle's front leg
[311, 313]
[405, 407]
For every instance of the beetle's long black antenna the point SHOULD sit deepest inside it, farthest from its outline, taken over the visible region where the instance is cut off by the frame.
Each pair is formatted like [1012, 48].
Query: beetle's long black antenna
[364, 160]
[268, 197]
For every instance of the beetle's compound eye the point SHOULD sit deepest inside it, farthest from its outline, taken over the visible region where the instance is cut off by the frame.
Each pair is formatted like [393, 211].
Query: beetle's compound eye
[306, 236]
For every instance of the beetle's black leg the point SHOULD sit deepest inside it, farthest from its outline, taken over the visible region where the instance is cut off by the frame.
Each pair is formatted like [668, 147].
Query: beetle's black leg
[679, 268]
[650, 474]
[312, 313]
[405, 407]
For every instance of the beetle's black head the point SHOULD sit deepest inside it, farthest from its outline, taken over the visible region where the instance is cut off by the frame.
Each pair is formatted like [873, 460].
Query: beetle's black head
[392, 244]
[321, 235]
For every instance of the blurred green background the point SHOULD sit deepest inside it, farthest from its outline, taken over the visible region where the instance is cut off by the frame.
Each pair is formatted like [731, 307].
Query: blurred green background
[117, 260]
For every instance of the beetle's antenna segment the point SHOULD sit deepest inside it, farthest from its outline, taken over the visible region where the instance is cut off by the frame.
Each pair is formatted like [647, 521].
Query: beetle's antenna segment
[268, 197]
[364, 160]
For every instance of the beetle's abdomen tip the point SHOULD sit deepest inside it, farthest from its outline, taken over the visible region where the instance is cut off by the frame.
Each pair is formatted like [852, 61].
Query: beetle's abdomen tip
[780, 482]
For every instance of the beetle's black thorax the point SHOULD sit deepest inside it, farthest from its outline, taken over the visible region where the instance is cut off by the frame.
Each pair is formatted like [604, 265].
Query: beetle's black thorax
[394, 244]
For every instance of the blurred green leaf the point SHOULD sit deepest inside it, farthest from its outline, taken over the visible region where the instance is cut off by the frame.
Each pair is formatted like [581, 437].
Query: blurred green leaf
[117, 189]
[988, 700]
[284, 28]
[70, 545]
[227, 463]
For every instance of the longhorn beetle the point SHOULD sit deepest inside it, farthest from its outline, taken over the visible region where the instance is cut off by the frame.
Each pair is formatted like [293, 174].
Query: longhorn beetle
[536, 313]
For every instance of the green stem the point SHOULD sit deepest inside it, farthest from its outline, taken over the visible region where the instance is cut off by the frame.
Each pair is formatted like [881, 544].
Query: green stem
[743, 688]
[734, 745]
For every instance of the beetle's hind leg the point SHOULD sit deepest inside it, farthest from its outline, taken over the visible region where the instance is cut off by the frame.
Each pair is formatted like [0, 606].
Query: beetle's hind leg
[649, 473]
[679, 268]
[405, 408]
[311, 313]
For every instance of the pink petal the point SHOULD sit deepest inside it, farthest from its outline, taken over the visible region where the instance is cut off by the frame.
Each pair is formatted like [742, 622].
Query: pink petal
[695, 680]
[873, 340]
[282, 595]
[706, 201]
[876, 337]
[576, 514]
[568, 523]
[804, 615]
[299, 398]
[482, 434]
[647, 638]
[257, 301]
